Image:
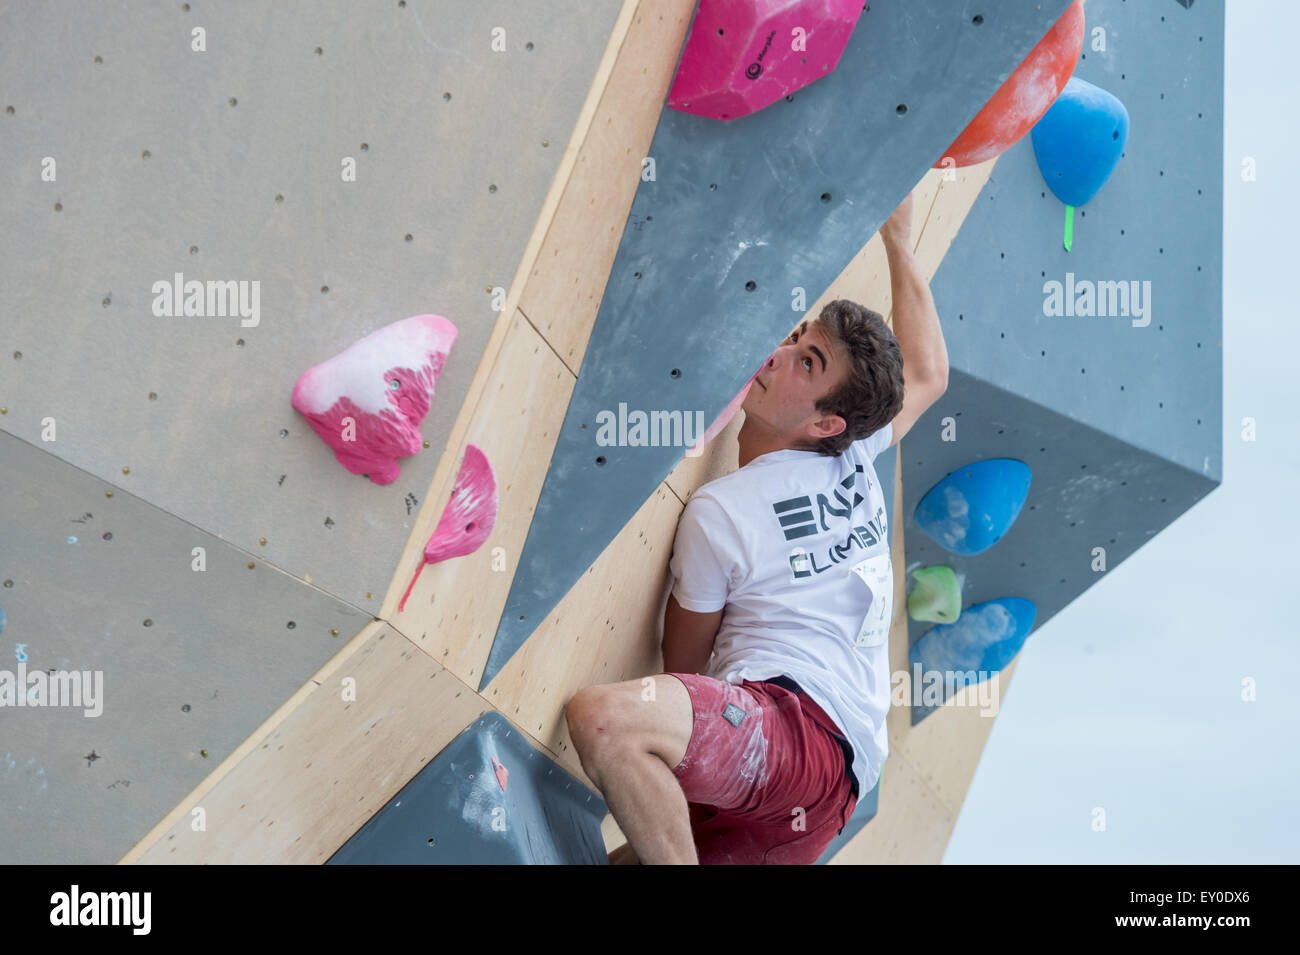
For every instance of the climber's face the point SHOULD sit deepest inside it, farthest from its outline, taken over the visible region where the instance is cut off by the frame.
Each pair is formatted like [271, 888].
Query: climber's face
[782, 398]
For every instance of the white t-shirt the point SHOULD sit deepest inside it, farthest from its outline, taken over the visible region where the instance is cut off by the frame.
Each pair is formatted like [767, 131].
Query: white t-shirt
[794, 548]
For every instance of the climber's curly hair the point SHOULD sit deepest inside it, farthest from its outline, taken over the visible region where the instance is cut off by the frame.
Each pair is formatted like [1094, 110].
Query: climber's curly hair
[871, 395]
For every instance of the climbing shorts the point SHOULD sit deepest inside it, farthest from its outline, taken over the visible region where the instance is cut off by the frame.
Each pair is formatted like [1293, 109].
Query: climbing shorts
[765, 773]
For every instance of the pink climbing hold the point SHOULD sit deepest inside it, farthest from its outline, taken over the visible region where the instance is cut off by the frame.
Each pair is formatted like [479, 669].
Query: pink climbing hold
[743, 55]
[502, 774]
[367, 401]
[724, 418]
[1022, 100]
[471, 513]
[468, 518]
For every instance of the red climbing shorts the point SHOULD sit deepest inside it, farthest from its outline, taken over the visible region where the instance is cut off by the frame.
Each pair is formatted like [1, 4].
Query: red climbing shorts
[770, 789]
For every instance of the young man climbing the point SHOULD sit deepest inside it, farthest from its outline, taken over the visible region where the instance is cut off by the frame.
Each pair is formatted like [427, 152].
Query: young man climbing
[769, 720]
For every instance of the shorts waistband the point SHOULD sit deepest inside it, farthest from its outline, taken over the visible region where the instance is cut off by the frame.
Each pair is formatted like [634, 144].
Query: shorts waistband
[846, 747]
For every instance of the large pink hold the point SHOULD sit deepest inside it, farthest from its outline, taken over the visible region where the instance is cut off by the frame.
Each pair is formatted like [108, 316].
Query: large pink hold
[743, 55]
[367, 402]
[468, 518]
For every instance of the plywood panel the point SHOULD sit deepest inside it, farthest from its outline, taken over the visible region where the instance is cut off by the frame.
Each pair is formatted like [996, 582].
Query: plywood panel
[607, 629]
[719, 457]
[945, 747]
[314, 779]
[454, 608]
[912, 826]
[567, 282]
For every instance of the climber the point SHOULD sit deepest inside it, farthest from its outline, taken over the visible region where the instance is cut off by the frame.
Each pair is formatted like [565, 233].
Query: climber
[768, 721]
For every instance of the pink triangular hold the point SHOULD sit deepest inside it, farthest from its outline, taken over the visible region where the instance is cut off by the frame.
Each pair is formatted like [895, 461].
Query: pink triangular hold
[502, 774]
[367, 401]
[468, 518]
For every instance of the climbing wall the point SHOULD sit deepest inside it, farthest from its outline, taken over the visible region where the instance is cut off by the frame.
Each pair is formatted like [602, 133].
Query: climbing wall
[335, 762]
[378, 713]
[1118, 414]
[345, 165]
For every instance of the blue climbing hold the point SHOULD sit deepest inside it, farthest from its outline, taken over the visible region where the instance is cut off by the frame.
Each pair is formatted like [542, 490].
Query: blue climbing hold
[1079, 141]
[984, 639]
[970, 509]
[2, 619]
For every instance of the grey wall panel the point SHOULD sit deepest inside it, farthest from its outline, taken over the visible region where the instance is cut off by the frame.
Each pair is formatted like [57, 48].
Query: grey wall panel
[1120, 423]
[740, 214]
[457, 811]
[80, 573]
[208, 448]
[1159, 220]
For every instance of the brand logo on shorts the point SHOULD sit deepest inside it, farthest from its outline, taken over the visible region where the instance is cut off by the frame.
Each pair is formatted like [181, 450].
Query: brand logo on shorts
[733, 714]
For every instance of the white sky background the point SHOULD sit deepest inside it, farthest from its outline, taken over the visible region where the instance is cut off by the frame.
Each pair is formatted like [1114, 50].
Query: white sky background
[1130, 698]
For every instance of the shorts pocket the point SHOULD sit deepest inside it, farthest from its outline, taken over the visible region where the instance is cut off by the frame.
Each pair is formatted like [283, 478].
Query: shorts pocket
[805, 848]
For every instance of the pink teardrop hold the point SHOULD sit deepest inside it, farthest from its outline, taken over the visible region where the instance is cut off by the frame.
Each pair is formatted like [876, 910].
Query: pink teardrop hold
[467, 520]
[471, 514]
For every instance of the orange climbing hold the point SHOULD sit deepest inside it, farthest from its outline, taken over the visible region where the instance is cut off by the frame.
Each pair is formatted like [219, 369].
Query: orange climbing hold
[1026, 95]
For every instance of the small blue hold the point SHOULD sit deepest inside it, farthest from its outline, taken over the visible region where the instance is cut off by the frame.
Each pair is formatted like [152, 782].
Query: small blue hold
[970, 509]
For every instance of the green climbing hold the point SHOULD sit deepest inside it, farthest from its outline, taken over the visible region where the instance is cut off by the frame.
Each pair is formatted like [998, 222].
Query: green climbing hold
[936, 596]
